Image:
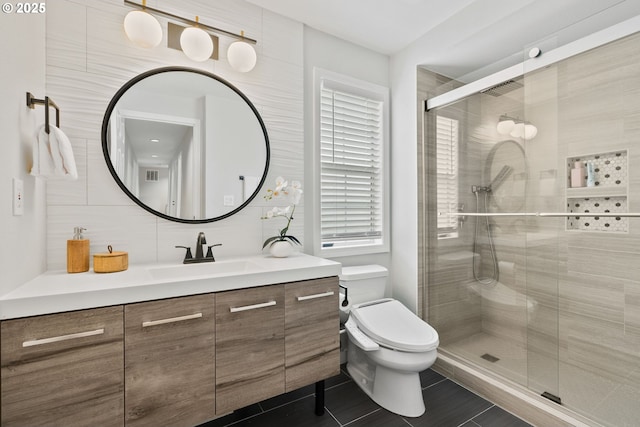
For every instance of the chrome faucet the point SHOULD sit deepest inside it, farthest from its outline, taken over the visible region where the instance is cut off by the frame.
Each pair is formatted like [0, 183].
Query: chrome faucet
[200, 257]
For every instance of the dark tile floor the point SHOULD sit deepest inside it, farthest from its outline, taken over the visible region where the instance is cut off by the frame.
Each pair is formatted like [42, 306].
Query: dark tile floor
[448, 405]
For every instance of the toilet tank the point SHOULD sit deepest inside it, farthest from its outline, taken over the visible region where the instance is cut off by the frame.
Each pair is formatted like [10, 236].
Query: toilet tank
[364, 282]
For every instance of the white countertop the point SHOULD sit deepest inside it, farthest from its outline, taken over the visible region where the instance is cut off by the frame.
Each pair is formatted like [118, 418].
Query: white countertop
[58, 291]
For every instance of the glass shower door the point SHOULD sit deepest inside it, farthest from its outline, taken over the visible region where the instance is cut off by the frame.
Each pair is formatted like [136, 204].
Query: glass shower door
[544, 244]
[477, 234]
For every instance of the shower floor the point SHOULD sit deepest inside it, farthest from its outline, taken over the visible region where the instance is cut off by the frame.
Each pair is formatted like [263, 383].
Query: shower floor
[512, 358]
[608, 401]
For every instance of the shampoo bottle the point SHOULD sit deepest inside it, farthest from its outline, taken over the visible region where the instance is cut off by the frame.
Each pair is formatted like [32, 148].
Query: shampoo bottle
[77, 252]
[578, 175]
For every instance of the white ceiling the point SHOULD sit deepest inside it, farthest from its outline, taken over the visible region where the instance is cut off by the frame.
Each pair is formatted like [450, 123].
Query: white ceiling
[385, 26]
[457, 36]
[170, 136]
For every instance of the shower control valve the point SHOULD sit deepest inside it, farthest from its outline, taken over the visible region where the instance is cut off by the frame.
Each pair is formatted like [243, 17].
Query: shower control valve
[461, 218]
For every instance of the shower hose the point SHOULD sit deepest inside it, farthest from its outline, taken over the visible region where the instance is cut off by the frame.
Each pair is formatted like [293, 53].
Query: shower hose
[493, 279]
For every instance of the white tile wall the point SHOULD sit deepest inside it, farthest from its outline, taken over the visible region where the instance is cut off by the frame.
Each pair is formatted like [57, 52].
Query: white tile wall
[89, 58]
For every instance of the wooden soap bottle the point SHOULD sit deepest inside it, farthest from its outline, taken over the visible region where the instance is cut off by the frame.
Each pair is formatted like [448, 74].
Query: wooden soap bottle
[78, 252]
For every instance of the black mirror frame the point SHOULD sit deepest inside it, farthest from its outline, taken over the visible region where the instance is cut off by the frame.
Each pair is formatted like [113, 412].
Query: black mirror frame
[105, 145]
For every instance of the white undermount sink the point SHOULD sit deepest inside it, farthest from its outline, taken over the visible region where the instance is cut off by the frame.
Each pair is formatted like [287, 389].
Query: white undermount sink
[220, 268]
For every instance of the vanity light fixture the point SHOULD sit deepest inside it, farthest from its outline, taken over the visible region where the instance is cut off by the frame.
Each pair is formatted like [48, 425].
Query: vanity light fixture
[196, 43]
[241, 55]
[142, 28]
[516, 128]
[154, 140]
[530, 130]
[505, 125]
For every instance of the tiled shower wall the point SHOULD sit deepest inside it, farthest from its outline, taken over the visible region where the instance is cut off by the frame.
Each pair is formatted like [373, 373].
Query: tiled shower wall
[599, 280]
[587, 283]
[582, 341]
[89, 58]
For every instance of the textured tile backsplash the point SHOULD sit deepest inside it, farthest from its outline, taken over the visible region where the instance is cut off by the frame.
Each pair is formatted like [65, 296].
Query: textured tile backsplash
[89, 58]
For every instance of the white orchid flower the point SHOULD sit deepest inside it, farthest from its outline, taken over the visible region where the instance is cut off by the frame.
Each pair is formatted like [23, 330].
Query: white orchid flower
[293, 193]
[275, 211]
[294, 196]
[281, 184]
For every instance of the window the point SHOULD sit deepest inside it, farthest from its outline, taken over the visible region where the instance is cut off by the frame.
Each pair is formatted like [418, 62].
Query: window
[352, 131]
[447, 176]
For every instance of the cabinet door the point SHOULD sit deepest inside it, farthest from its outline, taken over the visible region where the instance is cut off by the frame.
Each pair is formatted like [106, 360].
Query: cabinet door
[63, 369]
[249, 346]
[169, 362]
[312, 331]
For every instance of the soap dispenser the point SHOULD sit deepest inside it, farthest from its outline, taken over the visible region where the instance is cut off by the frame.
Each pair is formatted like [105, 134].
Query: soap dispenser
[78, 252]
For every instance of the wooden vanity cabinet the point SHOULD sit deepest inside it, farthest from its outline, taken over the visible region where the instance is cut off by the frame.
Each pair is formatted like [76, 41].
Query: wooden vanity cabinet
[249, 346]
[63, 369]
[170, 362]
[312, 332]
[174, 362]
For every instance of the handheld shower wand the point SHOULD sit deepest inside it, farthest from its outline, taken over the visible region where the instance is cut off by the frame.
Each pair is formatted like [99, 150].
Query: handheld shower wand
[500, 177]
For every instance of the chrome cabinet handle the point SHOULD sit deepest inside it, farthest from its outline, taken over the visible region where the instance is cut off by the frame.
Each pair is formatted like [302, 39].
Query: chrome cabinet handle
[42, 341]
[314, 296]
[171, 320]
[251, 307]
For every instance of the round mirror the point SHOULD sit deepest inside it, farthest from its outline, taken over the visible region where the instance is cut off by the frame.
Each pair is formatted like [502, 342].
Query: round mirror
[185, 145]
[506, 173]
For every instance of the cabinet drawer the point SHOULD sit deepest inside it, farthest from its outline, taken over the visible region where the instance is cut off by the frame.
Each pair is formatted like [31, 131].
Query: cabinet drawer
[312, 331]
[170, 362]
[249, 346]
[63, 369]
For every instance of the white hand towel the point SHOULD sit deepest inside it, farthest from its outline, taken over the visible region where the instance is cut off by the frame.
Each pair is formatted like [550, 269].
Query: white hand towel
[53, 155]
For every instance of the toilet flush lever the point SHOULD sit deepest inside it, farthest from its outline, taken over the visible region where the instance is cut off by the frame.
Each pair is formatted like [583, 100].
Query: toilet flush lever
[345, 301]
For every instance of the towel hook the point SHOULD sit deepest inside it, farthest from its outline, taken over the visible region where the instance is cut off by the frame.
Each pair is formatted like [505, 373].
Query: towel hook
[47, 102]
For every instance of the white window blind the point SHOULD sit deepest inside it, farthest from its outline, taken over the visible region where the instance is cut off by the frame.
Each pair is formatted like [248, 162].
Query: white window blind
[351, 147]
[447, 175]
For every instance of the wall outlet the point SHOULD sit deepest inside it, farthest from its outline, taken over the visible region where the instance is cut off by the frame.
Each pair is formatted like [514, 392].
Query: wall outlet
[228, 200]
[18, 197]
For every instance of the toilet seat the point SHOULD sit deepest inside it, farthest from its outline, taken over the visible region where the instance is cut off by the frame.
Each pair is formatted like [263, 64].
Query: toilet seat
[392, 325]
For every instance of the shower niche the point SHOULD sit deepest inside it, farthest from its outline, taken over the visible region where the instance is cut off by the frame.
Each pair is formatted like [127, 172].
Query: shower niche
[609, 194]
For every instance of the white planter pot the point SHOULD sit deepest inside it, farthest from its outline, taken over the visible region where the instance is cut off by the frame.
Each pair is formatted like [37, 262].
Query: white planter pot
[281, 249]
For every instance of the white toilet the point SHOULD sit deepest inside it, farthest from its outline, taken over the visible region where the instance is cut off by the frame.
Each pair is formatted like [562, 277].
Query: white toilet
[388, 344]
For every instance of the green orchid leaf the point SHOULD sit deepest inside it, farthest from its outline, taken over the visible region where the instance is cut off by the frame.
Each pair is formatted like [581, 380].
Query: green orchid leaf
[293, 239]
[270, 240]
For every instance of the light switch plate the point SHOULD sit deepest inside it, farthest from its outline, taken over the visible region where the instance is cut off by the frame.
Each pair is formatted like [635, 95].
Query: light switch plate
[18, 197]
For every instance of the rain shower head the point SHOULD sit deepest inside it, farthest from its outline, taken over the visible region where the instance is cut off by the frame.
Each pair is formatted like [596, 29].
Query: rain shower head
[500, 177]
[503, 88]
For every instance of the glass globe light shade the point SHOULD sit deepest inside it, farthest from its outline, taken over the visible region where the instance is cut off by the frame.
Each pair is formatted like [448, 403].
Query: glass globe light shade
[518, 130]
[196, 44]
[530, 131]
[142, 28]
[505, 125]
[241, 56]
